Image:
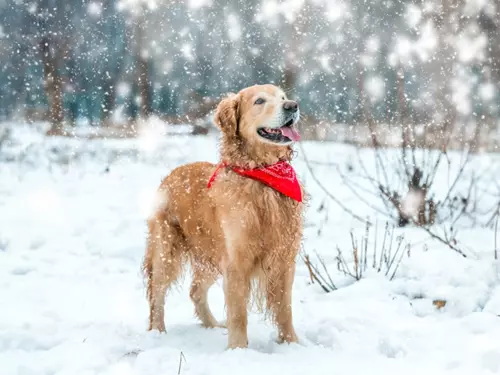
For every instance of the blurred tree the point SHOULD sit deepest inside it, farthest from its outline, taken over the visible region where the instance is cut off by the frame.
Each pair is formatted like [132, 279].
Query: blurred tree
[102, 59]
[139, 19]
[53, 33]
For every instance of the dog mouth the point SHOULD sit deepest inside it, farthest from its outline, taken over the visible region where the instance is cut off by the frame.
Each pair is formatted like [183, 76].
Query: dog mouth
[284, 134]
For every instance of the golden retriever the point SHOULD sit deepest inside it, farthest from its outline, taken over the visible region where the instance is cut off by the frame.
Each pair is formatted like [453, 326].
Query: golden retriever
[238, 228]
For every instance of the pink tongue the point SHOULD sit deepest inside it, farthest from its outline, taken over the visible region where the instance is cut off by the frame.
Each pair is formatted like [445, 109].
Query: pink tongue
[290, 132]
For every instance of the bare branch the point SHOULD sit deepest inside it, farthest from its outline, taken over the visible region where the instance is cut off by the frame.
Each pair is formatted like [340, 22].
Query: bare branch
[496, 232]
[316, 275]
[325, 190]
[181, 357]
[445, 241]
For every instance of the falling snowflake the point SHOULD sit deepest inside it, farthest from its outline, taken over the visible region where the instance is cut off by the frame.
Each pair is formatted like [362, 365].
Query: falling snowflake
[95, 9]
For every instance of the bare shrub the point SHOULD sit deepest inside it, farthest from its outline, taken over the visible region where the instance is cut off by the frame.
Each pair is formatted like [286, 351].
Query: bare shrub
[385, 259]
[407, 168]
[4, 136]
[416, 167]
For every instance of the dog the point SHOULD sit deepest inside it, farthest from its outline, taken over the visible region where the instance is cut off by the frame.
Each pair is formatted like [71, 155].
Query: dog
[242, 218]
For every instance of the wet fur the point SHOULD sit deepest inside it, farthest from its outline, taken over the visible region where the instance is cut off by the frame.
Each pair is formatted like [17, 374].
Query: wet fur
[239, 228]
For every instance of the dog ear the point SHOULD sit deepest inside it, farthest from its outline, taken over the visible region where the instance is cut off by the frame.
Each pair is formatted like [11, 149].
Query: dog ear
[227, 114]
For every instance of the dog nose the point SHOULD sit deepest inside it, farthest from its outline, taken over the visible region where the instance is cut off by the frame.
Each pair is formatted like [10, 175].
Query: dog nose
[290, 106]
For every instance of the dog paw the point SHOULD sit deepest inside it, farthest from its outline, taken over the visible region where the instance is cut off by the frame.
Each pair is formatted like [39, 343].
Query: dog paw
[237, 340]
[222, 324]
[159, 328]
[288, 338]
[214, 324]
[237, 345]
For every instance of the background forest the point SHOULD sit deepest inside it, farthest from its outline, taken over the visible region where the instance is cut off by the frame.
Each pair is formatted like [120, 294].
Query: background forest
[103, 62]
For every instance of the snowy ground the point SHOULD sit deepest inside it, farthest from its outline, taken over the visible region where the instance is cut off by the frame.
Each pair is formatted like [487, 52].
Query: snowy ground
[72, 297]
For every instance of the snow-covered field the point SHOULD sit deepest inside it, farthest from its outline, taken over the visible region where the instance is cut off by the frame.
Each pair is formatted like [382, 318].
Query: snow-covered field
[72, 235]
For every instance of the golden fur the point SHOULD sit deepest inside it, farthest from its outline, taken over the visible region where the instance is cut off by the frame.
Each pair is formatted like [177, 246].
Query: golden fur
[239, 228]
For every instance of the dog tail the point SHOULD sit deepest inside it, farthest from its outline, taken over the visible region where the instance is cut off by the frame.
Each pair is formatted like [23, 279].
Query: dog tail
[153, 237]
[147, 265]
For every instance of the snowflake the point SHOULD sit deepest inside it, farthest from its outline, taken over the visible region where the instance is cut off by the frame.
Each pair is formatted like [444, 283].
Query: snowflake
[94, 9]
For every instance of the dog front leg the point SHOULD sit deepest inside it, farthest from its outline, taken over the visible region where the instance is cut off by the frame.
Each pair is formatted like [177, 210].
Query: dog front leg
[236, 292]
[279, 299]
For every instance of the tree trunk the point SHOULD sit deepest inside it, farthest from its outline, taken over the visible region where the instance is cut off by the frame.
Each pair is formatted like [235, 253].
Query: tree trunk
[111, 77]
[53, 88]
[291, 46]
[289, 76]
[144, 85]
[143, 69]
[109, 100]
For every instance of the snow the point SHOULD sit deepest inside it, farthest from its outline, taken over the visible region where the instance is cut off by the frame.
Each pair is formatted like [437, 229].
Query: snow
[95, 9]
[72, 235]
[487, 91]
[461, 95]
[195, 4]
[402, 54]
[234, 27]
[123, 89]
[336, 10]
[470, 49]
[375, 88]
[413, 15]
[289, 9]
[411, 203]
[187, 52]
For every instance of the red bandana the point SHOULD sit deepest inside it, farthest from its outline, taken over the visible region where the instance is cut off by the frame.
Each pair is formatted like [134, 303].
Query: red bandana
[280, 176]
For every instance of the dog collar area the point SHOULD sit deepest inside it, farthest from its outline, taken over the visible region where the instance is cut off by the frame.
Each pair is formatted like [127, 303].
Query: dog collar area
[280, 176]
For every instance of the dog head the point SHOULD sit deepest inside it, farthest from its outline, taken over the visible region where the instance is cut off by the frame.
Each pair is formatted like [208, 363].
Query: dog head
[259, 122]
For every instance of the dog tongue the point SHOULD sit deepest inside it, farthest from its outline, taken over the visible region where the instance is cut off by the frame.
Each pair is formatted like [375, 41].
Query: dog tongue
[290, 132]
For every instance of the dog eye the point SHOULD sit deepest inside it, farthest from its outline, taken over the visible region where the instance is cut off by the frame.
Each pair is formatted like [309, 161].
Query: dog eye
[259, 101]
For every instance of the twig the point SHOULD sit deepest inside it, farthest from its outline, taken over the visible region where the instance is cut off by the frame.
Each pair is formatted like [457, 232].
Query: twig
[352, 186]
[314, 274]
[355, 255]
[457, 177]
[341, 261]
[391, 259]
[382, 251]
[390, 246]
[313, 175]
[322, 279]
[357, 269]
[181, 357]
[444, 241]
[322, 262]
[407, 248]
[366, 244]
[496, 232]
[361, 260]
[379, 165]
[375, 246]
[308, 265]
[4, 137]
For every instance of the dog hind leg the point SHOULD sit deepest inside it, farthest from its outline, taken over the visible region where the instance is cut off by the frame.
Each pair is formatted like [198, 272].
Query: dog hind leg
[162, 266]
[202, 281]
